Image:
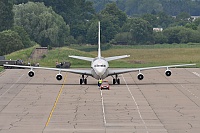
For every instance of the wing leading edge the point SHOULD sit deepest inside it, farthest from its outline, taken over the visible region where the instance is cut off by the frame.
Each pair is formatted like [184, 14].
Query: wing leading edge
[76, 71]
[121, 71]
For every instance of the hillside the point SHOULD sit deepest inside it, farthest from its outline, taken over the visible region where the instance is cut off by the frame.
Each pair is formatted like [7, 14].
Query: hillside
[140, 56]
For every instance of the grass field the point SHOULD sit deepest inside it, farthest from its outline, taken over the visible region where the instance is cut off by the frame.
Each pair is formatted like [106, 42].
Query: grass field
[21, 54]
[141, 56]
[1, 69]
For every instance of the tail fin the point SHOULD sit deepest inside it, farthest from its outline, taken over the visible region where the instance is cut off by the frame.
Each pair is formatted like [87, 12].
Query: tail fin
[99, 47]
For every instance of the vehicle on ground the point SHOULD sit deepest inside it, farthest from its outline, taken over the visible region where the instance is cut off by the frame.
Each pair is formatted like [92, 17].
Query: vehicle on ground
[105, 85]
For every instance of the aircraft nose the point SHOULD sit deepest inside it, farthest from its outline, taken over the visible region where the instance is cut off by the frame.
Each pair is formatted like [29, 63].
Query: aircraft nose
[100, 71]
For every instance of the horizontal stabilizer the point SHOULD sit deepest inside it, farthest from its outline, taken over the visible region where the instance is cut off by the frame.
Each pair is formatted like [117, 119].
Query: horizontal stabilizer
[82, 58]
[116, 57]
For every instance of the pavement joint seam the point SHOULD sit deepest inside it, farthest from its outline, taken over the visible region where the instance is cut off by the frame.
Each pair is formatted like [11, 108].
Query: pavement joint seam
[12, 85]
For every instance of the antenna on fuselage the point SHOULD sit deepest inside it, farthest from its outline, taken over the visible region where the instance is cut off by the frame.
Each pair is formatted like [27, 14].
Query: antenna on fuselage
[99, 47]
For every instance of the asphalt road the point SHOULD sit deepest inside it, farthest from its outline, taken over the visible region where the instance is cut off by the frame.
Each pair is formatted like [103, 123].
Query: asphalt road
[157, 104]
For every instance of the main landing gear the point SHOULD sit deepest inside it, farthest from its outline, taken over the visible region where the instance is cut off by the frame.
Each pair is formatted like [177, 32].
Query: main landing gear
[83, 80]
[116, 80]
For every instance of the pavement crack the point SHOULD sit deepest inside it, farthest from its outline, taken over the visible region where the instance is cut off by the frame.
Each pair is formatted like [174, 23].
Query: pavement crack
[86, 90]
[1, 87]
[178, 109]
[11, 126]
[13, 123]
[76, 110]
[131, 119]
[75, 126]
[190, 125]
[75, 117]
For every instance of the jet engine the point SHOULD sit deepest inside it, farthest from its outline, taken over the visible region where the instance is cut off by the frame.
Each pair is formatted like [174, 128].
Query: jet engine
[168, 73]
[31, 73]
[140, 76]
[59, 77]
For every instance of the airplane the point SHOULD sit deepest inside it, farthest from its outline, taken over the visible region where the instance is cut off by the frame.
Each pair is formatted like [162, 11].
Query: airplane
[99, 67]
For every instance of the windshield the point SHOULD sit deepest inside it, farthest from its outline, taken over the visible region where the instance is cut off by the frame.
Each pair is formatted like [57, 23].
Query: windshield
[99, 65]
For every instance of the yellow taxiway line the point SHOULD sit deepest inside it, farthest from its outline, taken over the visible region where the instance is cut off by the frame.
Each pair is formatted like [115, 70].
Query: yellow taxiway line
[54, 106]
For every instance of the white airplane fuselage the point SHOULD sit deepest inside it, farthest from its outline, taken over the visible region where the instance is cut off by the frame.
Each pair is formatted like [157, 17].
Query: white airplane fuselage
[100, 68]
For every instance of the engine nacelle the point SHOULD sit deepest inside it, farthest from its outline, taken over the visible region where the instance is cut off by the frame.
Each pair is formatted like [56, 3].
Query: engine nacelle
[31, 73]
[59, 77]
[168, 73]
[140, 76]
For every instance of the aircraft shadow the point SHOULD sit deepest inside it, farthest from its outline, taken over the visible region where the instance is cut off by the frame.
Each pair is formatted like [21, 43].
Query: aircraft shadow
[46, 84]
[141, 84]
[93, 84]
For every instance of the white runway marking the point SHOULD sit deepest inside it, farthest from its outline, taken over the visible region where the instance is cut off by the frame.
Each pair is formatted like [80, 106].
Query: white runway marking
[103, 108]
[11, 86]
[195, 73]
[190, 92]
[138, 109]
[187, 90]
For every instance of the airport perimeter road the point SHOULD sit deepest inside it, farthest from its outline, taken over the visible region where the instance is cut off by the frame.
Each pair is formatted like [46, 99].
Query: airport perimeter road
[158, 104]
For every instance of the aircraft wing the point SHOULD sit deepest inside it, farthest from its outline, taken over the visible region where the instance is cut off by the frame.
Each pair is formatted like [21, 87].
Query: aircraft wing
[116, 57]
[121, 71]
[76, 71]
[82, 58]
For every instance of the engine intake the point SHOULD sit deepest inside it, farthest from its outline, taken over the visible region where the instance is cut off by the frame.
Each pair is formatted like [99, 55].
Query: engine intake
[168, 73]
[140, 76]
[59, 77]
[31, 73]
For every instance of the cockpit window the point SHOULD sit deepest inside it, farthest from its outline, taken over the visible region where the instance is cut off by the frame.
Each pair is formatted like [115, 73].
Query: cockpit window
[99, 65]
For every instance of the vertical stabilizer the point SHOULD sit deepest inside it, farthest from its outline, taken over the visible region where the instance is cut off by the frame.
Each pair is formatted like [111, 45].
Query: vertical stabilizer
[99, 47]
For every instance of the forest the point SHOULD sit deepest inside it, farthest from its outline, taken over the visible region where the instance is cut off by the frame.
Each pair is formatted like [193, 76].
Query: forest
[135, 7]
[57, 23]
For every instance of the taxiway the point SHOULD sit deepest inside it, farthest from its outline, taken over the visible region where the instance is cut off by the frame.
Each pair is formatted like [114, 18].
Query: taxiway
[157, 104]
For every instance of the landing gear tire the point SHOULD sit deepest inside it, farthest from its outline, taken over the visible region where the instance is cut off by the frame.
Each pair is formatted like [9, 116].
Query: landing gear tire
[114, 81]
[118, 81]
[83, 80]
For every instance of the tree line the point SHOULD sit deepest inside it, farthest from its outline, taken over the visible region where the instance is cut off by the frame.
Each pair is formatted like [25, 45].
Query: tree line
[135, 7]
[63, 22]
